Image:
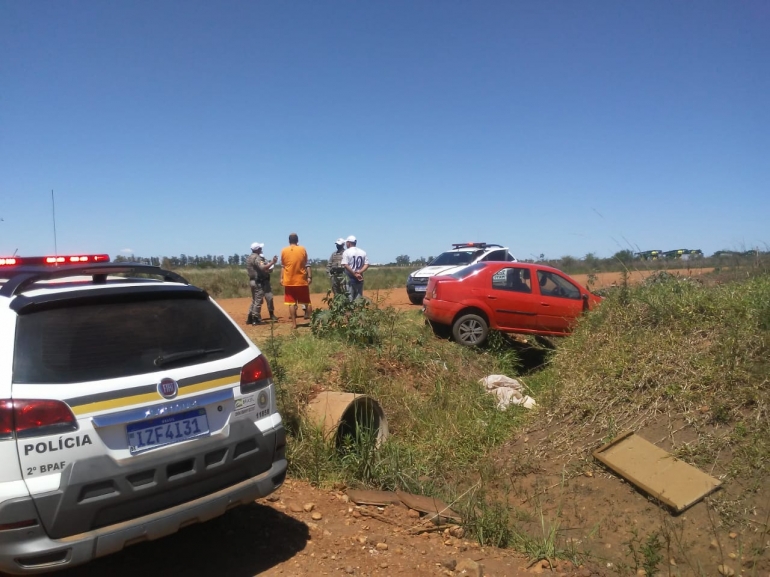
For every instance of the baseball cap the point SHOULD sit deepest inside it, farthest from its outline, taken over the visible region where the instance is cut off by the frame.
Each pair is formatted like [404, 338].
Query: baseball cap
[256, 245]
[339, 241]
[351, 238]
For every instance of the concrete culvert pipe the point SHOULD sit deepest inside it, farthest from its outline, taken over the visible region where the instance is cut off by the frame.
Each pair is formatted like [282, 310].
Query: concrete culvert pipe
[341, 414]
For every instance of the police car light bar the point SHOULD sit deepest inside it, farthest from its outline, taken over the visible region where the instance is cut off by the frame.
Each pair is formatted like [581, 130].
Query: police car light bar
[54, 260]
[469, 244]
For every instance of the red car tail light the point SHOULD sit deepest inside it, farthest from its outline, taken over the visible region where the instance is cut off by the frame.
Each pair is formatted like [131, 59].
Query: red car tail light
[255, 375]
[9, 261]
[33, 417]
[6, 419]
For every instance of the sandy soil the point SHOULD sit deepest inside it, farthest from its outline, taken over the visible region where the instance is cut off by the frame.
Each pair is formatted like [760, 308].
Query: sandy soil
[278, 536]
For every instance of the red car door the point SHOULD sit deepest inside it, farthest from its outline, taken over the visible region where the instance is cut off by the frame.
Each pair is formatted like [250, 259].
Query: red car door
[560, 302]
[511, 299]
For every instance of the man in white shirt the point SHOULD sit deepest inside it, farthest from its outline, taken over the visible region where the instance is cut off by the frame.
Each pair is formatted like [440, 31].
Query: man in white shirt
[355, 263]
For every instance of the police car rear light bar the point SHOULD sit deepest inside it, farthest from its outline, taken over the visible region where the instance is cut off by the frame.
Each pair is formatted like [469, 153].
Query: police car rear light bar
[23, 277]
[474, 245]
[54, 260]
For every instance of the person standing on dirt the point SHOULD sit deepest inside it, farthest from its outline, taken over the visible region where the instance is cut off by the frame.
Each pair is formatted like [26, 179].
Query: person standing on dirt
[259, 269]
[296, 278]
[336, 270]
[355, 262]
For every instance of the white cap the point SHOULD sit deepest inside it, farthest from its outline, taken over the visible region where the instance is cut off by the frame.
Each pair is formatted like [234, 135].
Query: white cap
[256, 245]
[351, 238]
[339, 241]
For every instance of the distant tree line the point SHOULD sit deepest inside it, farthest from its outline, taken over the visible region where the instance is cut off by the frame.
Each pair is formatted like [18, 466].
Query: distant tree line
[570, 264]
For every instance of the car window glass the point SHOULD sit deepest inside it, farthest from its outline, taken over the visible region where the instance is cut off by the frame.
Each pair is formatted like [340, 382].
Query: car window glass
[514, 279]
[494, 256]
[468, 270]
[552, 284]
[453, 258]
[91, 342]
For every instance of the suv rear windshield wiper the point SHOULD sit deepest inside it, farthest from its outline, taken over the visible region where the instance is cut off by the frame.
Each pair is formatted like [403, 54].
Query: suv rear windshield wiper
[166, 359]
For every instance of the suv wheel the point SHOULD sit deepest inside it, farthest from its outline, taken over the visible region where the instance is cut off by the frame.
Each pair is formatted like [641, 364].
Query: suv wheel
[415, 299]
[470, 330]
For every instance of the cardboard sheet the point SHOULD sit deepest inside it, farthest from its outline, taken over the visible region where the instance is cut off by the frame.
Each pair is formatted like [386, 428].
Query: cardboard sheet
[656, 471]
[429, 505]
[377, 498]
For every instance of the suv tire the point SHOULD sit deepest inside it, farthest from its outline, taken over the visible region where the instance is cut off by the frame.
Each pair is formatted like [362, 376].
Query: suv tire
[470, 330]
[415, 299]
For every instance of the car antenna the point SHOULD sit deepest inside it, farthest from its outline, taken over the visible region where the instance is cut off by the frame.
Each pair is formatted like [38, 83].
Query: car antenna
[53, 212]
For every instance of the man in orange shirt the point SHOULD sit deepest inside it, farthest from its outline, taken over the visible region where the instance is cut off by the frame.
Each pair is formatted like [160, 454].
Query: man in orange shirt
[296, 277]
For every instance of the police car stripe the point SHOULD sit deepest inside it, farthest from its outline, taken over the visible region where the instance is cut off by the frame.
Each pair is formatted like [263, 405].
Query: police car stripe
[149, 393]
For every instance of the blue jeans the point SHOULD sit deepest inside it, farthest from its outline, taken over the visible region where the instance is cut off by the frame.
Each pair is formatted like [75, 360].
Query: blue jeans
[355, 289]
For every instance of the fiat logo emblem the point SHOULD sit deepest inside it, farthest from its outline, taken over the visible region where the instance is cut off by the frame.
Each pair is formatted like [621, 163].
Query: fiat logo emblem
[168, 388]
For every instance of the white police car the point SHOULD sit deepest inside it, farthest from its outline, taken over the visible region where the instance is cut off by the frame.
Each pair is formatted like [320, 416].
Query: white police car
[130, 406]
[461, 255]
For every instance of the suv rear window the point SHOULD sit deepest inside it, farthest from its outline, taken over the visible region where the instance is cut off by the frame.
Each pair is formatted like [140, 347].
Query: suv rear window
[88, 342]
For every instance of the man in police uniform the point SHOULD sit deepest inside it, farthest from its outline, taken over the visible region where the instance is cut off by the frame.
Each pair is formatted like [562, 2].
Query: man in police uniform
[336, 270]
[259, 270]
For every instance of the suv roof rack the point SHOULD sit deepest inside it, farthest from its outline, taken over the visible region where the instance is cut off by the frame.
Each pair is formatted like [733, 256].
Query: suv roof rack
[475, 245]
[19, 278]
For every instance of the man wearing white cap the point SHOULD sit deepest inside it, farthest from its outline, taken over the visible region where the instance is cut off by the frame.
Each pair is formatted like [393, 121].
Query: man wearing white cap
[336, 270]
[259, 270]
[355, 262]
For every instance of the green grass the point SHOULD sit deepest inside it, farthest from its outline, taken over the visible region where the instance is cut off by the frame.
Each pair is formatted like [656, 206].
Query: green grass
[669, 348]
[442, 423]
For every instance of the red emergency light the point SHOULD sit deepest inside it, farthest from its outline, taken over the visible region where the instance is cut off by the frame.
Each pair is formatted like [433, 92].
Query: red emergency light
[54, 260]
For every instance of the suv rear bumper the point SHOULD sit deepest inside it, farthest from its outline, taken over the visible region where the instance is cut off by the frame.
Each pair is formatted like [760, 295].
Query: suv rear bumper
[31, 550]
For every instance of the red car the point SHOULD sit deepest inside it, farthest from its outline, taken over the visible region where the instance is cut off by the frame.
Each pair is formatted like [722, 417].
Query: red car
[511, 297]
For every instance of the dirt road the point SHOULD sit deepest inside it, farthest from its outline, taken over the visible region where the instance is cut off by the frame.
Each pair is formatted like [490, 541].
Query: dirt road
[279, 537]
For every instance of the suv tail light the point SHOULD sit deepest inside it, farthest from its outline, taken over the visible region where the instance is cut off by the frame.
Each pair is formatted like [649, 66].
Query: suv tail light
[34, 417]
[255, 375]
[6, 419]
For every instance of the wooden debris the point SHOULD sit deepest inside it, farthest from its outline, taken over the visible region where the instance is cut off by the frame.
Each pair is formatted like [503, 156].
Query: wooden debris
[656, 471]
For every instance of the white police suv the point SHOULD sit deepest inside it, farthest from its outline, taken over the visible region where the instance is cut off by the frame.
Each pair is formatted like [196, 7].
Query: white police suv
[130, 406]
[461, 255]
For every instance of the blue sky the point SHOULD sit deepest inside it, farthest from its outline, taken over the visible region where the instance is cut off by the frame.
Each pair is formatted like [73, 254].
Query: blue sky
[555, 128]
